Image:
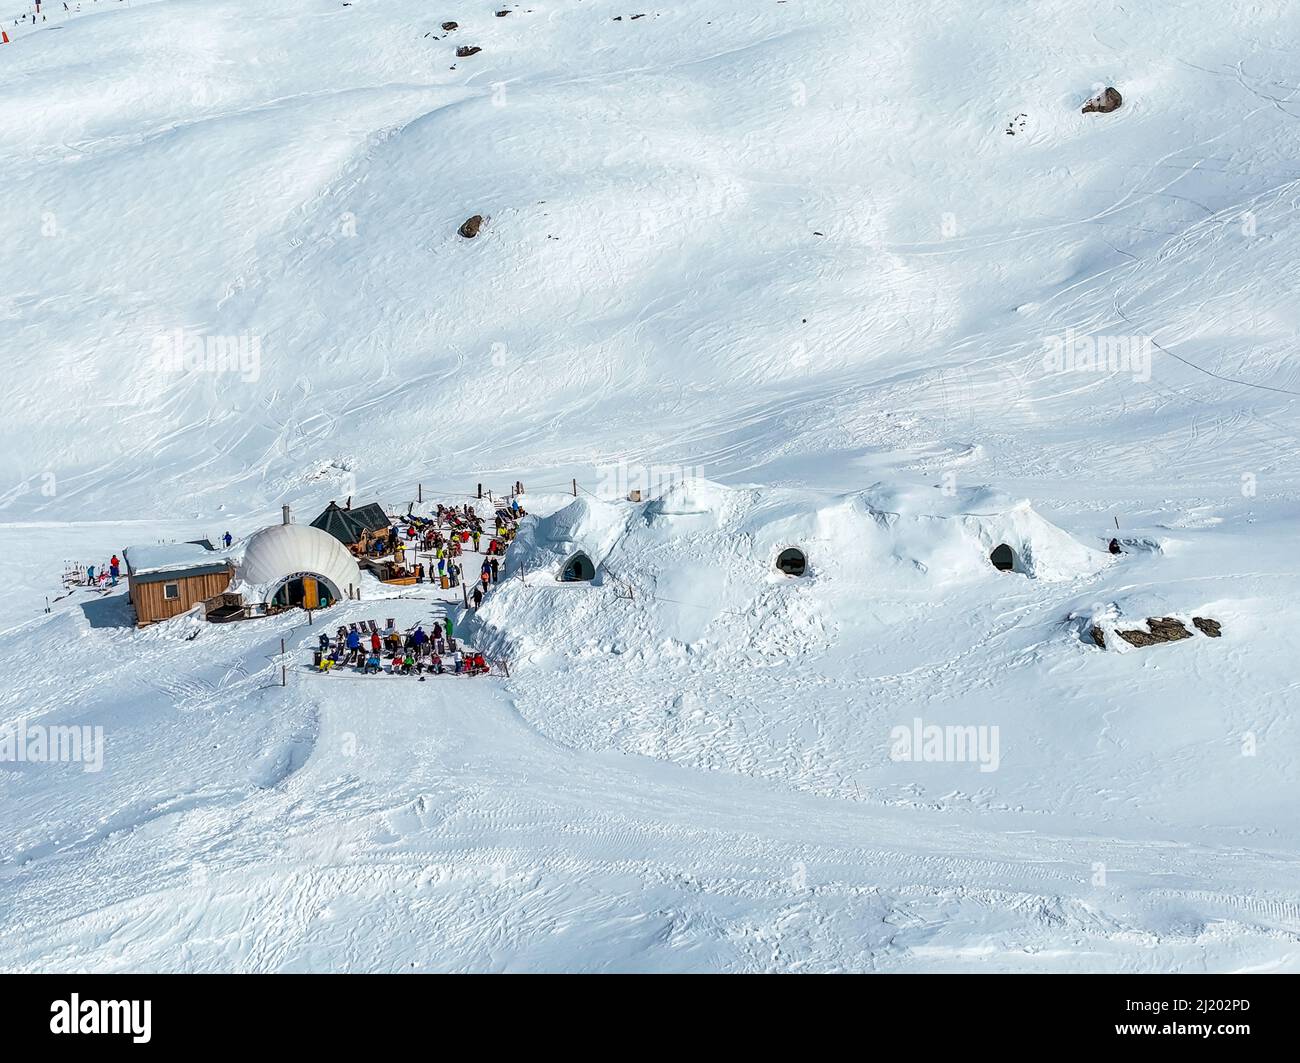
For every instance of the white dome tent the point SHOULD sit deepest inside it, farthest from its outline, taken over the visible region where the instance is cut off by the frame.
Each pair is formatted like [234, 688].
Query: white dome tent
[295, 565]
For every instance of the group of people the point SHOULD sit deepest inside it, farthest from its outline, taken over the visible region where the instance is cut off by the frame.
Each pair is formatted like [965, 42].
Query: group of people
[489, 573]
[416, 652]
[445, 536]
[101, 575]
[39, 15]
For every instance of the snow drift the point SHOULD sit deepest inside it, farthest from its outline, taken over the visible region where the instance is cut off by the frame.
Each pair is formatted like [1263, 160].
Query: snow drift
[701, 558]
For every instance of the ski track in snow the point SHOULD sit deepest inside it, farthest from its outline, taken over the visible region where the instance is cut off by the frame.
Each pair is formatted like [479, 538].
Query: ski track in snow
[718, 237]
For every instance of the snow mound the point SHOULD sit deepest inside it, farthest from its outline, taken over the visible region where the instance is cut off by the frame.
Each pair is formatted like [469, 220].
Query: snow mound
[953, 533]
[584, 526]
[698, 565]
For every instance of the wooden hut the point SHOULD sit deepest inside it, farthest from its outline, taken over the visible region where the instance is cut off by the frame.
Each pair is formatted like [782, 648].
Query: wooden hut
[167, 579]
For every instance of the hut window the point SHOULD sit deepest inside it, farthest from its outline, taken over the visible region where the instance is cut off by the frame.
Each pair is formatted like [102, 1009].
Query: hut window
[578, 569]
[792, 562]
[171, 591]
[1003, 558]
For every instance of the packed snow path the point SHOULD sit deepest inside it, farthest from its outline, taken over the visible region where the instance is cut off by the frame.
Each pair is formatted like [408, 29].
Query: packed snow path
[432, 829]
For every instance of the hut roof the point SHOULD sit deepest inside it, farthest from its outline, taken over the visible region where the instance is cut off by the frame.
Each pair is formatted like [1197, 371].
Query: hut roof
[371, 517]
[340, 524]
[160, 561]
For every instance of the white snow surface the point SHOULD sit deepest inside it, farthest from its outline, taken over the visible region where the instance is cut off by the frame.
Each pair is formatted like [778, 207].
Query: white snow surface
[162, 557]
[788, 250]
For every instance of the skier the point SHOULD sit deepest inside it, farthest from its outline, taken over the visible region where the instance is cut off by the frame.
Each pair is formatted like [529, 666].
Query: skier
[354, 645]
[477, 596]
[227, 540]
[496, 570]
[1115, 547]
[450, 631]
[114, 569]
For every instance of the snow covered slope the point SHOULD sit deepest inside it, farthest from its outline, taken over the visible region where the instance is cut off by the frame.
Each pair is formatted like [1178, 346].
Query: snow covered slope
[867, 276]
[651, 283]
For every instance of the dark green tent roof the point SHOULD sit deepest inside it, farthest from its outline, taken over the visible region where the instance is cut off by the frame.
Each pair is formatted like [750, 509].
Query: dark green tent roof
[340, 524]
[371, 517]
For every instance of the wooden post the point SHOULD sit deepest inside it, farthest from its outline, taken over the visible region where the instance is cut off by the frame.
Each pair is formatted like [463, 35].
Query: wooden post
[480, 490]
[419, 493]
[464, 594]
[283, 678]
[575, 488]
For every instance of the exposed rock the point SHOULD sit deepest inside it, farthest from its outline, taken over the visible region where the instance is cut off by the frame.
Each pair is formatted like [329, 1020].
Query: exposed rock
[1105, 102]
[502, 14]
[1098, 636]
[449, 26]
[1207, 626]
[1162, 629]
[467, 50]
[470, 228]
